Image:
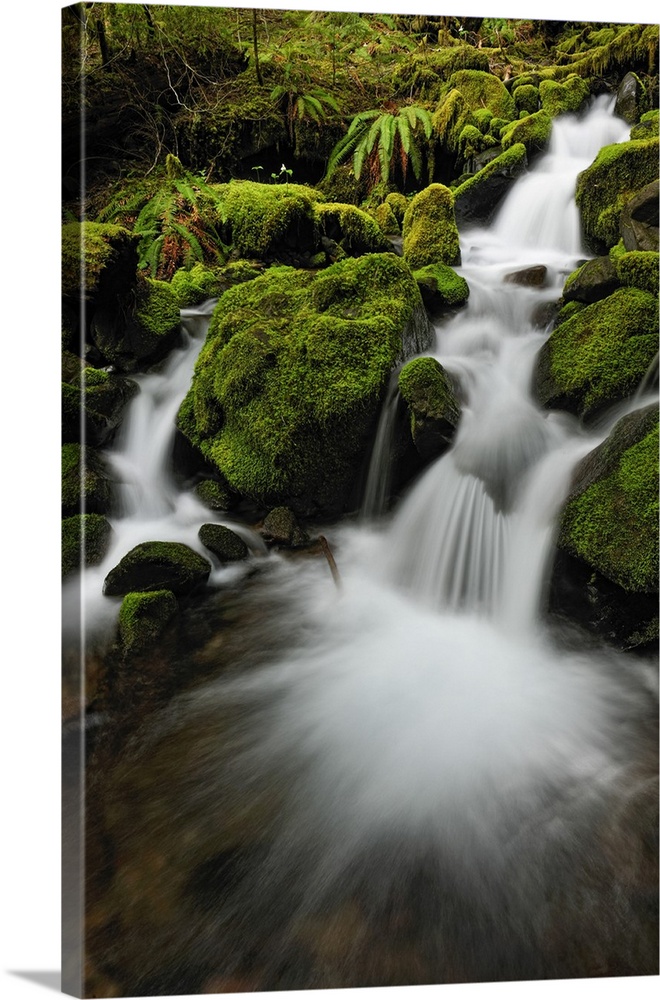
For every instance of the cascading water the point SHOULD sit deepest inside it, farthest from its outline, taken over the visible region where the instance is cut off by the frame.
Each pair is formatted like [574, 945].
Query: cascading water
[423, 786]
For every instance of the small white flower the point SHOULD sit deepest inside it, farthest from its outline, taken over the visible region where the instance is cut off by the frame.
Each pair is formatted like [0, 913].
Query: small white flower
[283, 168]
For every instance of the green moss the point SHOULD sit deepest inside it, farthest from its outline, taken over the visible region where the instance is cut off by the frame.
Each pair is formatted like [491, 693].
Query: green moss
[88, 248]
[526, 98]
[259, 220]
[534, 132]
[442, 285]
[214, 495]
[341, 186]
[157, 311]
[223, 542]
[484, 117]
[152, 566]
[95, 376]
[601, 354]
[613, 524]
[618, 172]
[144, 617]
[472, 141]
[387, 220]
[484, 90]
[85, 541]
[569, 310]
[496, 126]
[647, 127]
[290, 378]
[430, 235]
[355, 231]
[452, 115]
[398, 203]
[425, 387]
[639, 269]
[560, 98]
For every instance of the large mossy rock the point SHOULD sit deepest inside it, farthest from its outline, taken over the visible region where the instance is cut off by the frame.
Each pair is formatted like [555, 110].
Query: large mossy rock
[85, 541]
[265, 221]
[606, 574]
[223, 542]
[158, 566]
[600, 354]
[593, 281]
[288, 385]
[638, 269]
[430, 235]
[562, 98]
[484, 90]
[630, 99]
[86, 481]
[477, 198]
[433, 409]
[533, 132]
[93, 402]
[143, 617]
[353, 230]
[619, 172]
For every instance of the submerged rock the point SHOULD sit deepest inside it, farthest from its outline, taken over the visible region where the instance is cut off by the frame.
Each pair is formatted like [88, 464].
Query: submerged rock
[607, 575]
[156, 566]
[599, 355]
[288, 384]
[528, 277]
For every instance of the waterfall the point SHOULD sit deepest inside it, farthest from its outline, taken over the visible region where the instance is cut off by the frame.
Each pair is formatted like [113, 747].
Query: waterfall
[420, 783]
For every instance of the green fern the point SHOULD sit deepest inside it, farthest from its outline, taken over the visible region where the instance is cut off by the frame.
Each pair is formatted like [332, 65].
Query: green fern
[383, 141]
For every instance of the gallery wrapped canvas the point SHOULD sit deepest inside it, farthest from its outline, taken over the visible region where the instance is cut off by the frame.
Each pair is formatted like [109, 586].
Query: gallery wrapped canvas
[359, 499]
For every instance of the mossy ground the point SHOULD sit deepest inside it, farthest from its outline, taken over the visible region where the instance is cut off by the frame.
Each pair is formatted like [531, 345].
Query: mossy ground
[289, 380]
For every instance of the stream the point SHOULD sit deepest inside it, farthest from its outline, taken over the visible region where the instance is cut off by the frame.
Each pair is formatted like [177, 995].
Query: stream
[418, 780]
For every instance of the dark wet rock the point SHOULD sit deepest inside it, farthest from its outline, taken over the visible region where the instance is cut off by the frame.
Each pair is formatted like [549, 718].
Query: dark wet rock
[544, 315]
[85, 541]
[281, 528]
[630, 99]
[528, 277]
[134, 339]
[606, 574]
[639, 219]
[157, 566]
[593, 281]
[223, 542]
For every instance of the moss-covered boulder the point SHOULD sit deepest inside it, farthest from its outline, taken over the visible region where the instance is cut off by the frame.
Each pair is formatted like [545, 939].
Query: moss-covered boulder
[288, 384]
[86, 481]
[430, 235]
[85, 541]
[606, 575]
[484, 90]
[266, 221]
[638, 269]
[593, 281]
[145, 334]
[618, 173]
[526, 98]
[533, 132]
[387, 220]
[223, 542]
[448, 121]
[561, 98]
[477, 198]
[441, 287]
[354, 231]
[648, 125]
[638, 223]
[398, 203]
[143, 617]
[157, 566]
[433, 409]
[600, 355]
